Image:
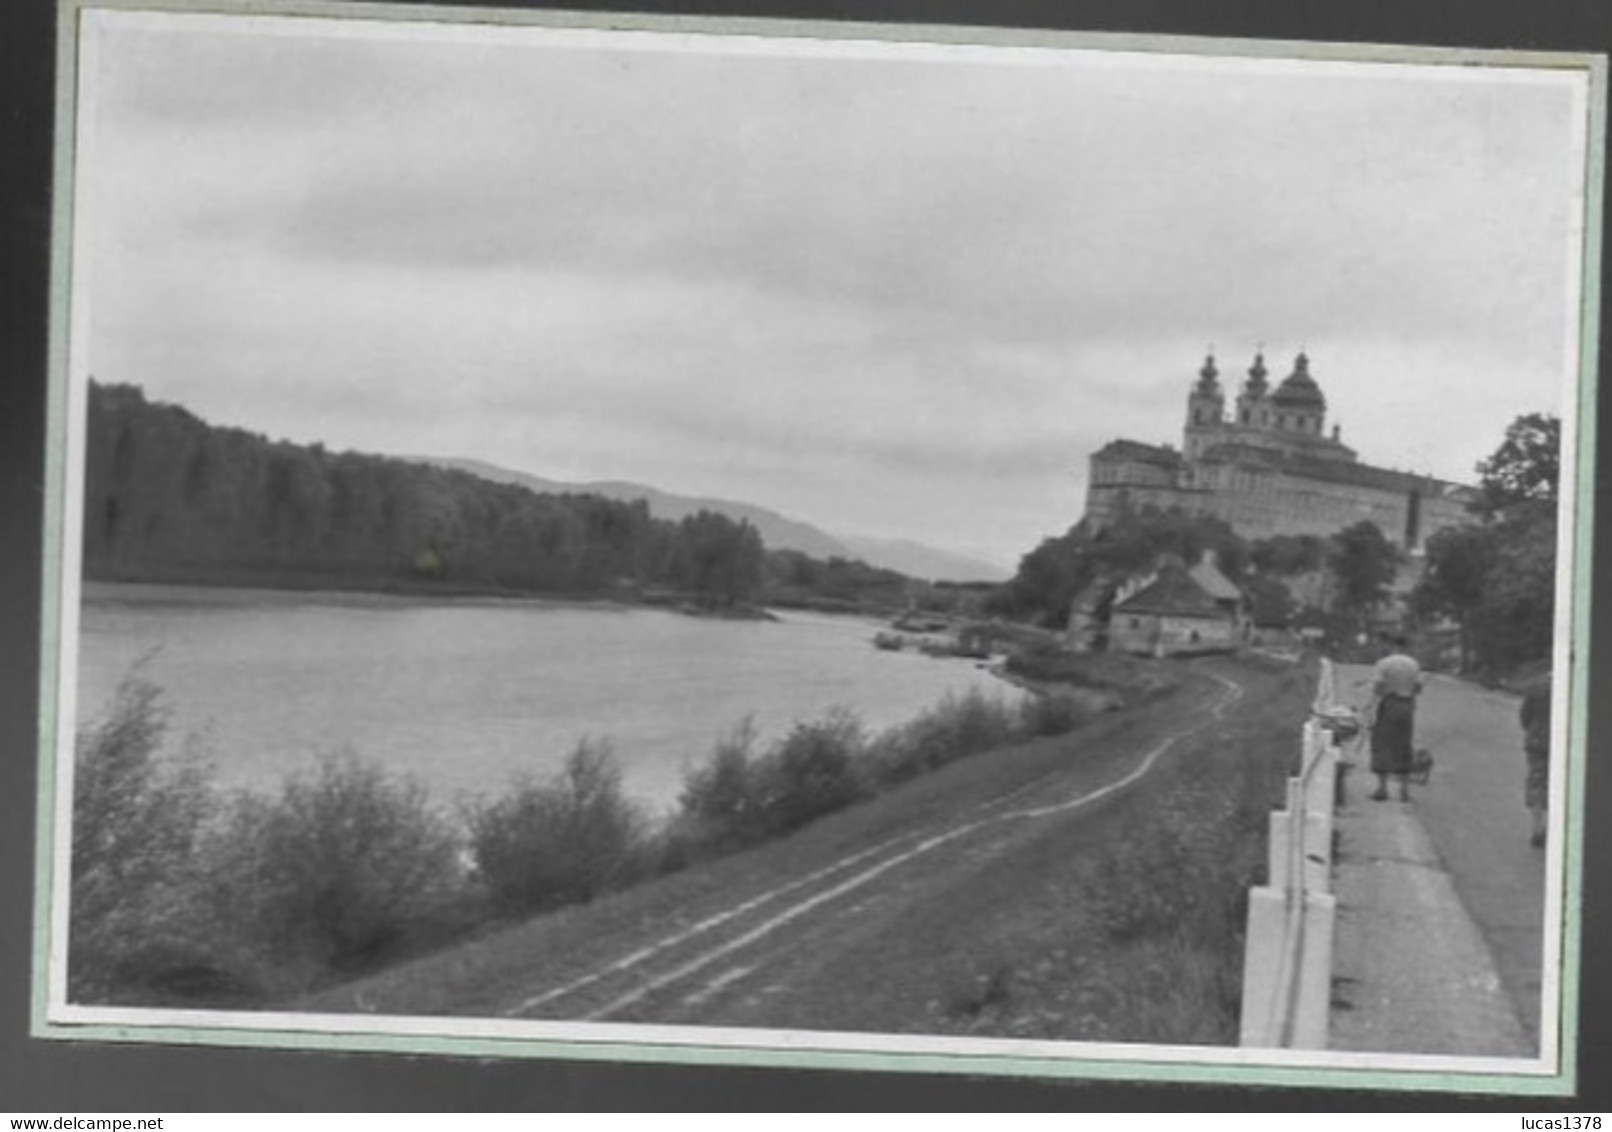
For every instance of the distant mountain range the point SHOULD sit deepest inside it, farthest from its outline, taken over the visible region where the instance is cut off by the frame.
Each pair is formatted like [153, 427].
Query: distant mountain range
[779, 532]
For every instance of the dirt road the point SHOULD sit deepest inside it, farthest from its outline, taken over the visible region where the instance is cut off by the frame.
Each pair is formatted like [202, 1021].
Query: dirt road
[826, 928]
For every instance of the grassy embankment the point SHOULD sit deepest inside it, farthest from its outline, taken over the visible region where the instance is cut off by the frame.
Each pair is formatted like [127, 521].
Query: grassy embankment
[249, 901]
[1123, 922]
[1128, 926]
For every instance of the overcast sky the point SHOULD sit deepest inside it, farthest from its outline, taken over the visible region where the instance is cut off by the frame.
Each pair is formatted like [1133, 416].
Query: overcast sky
[899, 291]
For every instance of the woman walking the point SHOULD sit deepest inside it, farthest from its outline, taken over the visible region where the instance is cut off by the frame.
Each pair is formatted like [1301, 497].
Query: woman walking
[1396, 684]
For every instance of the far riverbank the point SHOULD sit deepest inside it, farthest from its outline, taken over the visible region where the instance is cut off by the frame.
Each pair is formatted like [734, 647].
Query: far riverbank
[329, 588]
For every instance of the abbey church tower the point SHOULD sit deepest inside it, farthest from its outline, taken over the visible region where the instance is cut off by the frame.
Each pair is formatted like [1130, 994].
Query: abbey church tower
[1253, 403]
[1206, 409]
[1289, 419]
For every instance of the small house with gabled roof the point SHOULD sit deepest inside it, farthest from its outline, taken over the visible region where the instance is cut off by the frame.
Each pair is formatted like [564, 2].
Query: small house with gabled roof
[1174, 610]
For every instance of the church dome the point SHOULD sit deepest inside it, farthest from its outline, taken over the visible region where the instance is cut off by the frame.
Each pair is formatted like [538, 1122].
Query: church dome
[1298, 389]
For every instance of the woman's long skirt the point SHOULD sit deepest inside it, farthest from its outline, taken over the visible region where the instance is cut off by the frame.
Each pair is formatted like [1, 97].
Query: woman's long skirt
[1393, 749]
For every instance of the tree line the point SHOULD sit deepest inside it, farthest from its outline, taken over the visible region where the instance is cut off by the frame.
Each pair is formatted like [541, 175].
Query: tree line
[169, 497]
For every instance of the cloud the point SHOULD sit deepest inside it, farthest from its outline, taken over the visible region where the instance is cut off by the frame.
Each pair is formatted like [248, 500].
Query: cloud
[988, 210]
[800, 276]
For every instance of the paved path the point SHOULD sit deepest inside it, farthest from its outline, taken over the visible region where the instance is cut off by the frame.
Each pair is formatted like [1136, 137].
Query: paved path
[1461, 847]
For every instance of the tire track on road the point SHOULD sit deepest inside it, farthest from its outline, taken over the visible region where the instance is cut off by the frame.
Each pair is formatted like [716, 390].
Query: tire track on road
[699, 927]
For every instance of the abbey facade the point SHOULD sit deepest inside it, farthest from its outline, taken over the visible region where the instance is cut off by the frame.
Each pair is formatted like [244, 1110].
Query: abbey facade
[1268, 466]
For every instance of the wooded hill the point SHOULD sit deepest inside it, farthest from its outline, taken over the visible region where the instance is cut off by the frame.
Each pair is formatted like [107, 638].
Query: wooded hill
[171, 498]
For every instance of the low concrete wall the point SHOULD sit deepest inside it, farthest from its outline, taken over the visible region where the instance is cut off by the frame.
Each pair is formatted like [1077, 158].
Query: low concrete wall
[1287, 964]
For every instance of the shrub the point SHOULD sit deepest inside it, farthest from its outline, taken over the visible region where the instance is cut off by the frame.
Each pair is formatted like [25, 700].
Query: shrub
[137, 817]
[957, 727]
[970, 724]
[813, 771]
[346, 866]
[718, 809]
[1050, 714]
[545, 844]
[1049, 660]
[894, 756]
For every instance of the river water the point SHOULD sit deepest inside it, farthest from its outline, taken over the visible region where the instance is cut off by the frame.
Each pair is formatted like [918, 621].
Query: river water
[464, 694]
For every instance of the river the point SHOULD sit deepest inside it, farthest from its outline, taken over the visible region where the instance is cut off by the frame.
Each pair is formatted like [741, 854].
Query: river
[464, 694]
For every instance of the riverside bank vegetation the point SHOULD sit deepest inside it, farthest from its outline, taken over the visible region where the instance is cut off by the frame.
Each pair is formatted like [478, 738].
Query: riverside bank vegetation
[183, 893]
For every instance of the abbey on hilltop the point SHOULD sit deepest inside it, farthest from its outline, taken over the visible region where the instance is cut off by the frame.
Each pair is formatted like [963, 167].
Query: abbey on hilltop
[1269, 467]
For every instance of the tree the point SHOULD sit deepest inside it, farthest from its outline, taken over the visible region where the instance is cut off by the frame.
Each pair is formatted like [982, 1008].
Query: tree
[1516, 621]
[1271, 603]
[561, 841]
[1287, 555]
[1496, 577]
[344, 864]
[1519, 485]
[719, 804]
[1364, 563]
[1456, 579]
[1052, 574]
[1525, 468]
[1135, 541]
[812, 772]
[137, 820]
[724, 559]
[1047, 579]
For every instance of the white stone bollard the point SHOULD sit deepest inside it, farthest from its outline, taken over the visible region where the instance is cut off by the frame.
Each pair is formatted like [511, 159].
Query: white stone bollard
[1313, 1007]
[1260, 1024]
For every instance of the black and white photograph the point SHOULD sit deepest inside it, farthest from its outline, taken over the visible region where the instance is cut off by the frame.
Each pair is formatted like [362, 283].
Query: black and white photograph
[936, 549]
